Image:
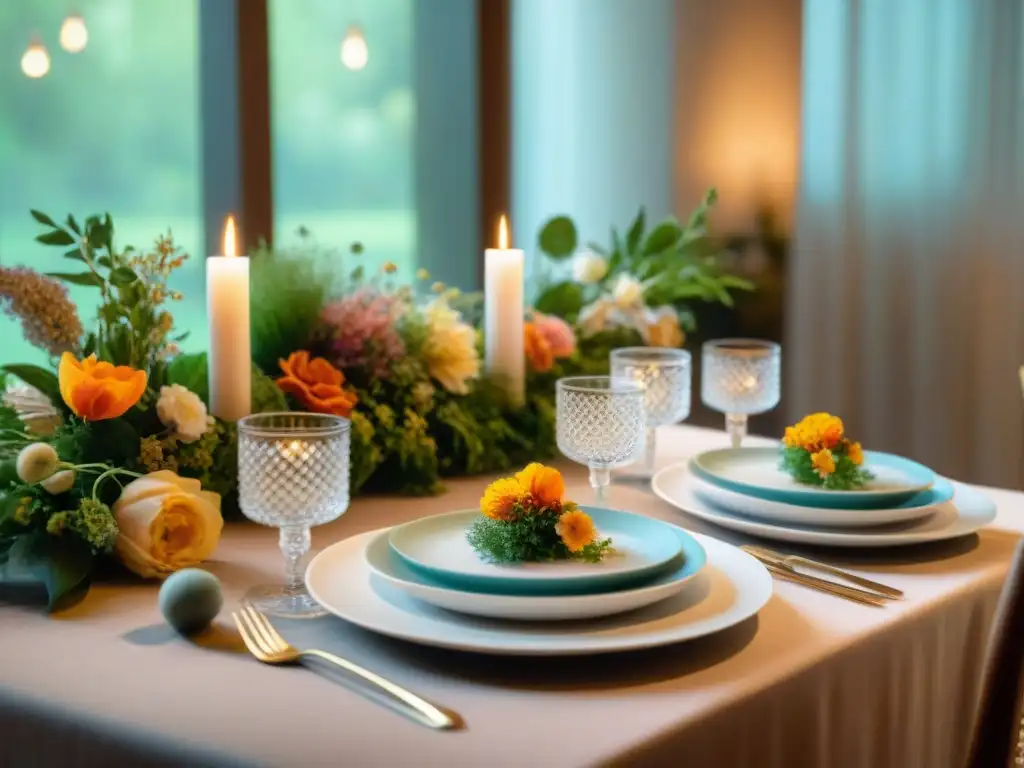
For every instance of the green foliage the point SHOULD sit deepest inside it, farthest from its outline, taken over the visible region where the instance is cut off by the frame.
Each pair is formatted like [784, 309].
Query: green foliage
[131, 328]
[846, 477]
[92, 521]
[529, 537]
[13, 436]
[557, 238]
[113, 441]
[676, 263]
[59, 565]
[289, 289]
[212, 459]
[189, 371]
[564, 299]
[266, 395]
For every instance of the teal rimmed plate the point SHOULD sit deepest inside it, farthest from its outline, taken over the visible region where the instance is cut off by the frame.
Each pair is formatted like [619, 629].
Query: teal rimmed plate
[437, 547]
[396, 574]
[756, 472]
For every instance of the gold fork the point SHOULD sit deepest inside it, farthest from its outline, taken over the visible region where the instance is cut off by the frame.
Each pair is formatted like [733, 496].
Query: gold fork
[267, 645]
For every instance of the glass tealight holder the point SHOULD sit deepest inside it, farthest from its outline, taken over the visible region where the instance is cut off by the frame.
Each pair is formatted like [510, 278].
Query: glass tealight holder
[293, 473]
[600, 422]
[665, 374]
[740, 377]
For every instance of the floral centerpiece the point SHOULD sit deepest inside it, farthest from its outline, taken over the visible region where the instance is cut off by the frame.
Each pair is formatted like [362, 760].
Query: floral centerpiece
[527, 519]
[816, 451]
[110, 450]
[102, 456]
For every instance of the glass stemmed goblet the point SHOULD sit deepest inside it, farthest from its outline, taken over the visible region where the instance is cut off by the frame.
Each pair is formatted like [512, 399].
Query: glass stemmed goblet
[665, 374]
[740, 377]
[293, 473]
[600, 423]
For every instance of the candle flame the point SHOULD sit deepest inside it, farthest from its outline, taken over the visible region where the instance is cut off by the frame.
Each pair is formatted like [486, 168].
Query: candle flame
[230, 237]
[503, 233]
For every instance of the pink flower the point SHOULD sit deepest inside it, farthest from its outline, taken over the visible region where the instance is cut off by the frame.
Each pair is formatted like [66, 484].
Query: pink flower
[363, 328]
[557, 333]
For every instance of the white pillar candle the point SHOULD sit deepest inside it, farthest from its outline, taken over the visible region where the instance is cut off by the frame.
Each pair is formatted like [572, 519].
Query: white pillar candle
[504, 354]
[229, 363]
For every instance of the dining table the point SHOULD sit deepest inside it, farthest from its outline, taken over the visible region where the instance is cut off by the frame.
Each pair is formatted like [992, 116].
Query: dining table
[811, 680]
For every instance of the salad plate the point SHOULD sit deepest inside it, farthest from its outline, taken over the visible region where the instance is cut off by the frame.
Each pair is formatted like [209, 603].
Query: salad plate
[915, 508]
[391, 570]
[756, 472]
[436, 547]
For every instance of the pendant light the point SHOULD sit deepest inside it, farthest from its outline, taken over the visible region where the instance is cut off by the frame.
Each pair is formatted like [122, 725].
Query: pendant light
[73, 34]
[354, 51]
[35, 62]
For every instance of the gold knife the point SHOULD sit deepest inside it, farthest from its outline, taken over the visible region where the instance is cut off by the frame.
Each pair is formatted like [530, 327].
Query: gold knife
[822, 585]
[791, 561]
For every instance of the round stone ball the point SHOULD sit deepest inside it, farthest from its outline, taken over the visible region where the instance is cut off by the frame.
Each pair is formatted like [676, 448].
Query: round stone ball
[190, 600]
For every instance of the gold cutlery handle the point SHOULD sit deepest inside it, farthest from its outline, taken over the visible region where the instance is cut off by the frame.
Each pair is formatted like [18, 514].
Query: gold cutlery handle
[851, 577]
[838, 590]
[423, 709]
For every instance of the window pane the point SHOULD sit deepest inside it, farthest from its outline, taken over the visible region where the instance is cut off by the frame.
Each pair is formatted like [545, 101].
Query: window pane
[114, 129]
[343, 138]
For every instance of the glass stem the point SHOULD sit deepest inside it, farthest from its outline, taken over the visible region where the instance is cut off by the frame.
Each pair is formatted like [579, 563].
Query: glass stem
[295, 541]
[736, 426]
[600, 478]
[647, 464]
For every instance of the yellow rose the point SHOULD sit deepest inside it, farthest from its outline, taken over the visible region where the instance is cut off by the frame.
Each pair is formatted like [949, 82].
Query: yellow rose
[166, 523]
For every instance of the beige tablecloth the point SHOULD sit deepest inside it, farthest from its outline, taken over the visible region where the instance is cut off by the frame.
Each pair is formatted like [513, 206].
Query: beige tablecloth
[812, 680]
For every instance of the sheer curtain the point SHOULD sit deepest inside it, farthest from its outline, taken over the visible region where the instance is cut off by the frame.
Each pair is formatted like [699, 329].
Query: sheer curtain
[906, 313]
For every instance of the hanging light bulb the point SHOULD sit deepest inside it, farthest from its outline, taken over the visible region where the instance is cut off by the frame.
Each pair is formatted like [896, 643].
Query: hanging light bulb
[36, 61]
[354, 52]
[73, 34]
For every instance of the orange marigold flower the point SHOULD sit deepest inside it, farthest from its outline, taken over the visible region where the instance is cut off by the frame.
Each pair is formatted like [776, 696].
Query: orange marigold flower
[500, 498]
[793, 438]
[823, 462]
[316, 384]
[538, 349]
[544, 484]
[855, 453]
[98, 390]
[576, 529]
[814, 432]
[831, 433]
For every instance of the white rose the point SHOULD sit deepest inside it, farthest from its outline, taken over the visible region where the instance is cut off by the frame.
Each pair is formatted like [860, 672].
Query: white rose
[182, 410]
[588, 267]
[629, 292]
[166, 523]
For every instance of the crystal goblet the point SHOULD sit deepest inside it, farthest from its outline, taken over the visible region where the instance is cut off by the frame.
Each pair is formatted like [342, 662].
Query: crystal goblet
[740, 377]
[600, 423]
[665, 374]
[293, 473]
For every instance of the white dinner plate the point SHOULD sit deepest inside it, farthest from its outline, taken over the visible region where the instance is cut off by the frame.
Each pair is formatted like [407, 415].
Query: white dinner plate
[922, 505]
[732, 587]
[966, 513]
[393, 571]
[437, 547]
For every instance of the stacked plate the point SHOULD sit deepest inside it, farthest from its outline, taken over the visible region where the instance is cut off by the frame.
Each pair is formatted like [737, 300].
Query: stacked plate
[423, 582]
[744, 489]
